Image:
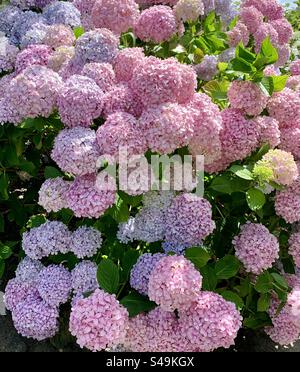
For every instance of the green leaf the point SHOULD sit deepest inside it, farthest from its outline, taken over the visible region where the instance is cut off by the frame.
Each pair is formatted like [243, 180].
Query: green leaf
[241, 172]
[256, 199]
[244, 288]
[2, 268]
[210, 280]
[5, 252]
[198, 256]
[267, 85]
[263, 302]
[4, 182]
[137, 304]
[78, 31]
[120, 211]
[267, 56]
[28, 166]
[36, 221]
[227, 267]
[217, 89]
[209, 22]
[264, 283]
[129, 260]
[279, 82]
[280, 280]
[233, 297]
[108, 276]
[51, 172]
[245, 54]
[257, 321]
[222, 184]
[241, 65]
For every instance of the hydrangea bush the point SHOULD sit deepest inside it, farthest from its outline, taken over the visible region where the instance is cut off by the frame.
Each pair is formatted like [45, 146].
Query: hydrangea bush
[144, 270]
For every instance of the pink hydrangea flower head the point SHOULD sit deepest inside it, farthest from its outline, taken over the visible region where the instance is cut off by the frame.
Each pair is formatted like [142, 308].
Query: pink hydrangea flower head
[293, 83]
[283, 166]
[126, 62]
[158, 81]
[287, 205]
[99, 321]
[99, 45]
[285, 107]
[85, 200]
[102, 73]
[60, 57]
[75, 151]
[17, 291]
[210, 323]
[256, 248]
[295, 67]
[284, 30]
[52, 194]
[79, 101]
[189, 220]
[72, 66]
[32, 93]
[34, 318]
[271, 70]
[207, 126]
[239, 136]
[269, 8]
[293, 303]
[167, 127]
[54, 285]
[284, 54]
[156, 331]
[85, 242]
[50, 238]
[264, 31]
[174, 283]
[284, 330]
[156, 24]
[59, 35]
[84, 277]
[189, 10]
[33, 55]
[247, 97]
[294, 247]
[290, 138]
[269, 131]
[122, 98]
[252, 18]
[28, 270]
[121, 131]
[117, 16]
[238, 34]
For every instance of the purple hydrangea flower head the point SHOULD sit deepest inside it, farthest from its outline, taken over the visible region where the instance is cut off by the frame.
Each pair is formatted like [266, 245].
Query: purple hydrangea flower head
[140, 273]
[99, 45]
[8, 16]
[24, 23]
[178, 249]
[51, 238]
[8, 55]
[85, 242]
[17, 291]
[84, 277]
[34, 36]
[33, 55]
[75, 151]
[28, 270]
[34, 318]
[208, 68]
[62, 12]
[54, 285]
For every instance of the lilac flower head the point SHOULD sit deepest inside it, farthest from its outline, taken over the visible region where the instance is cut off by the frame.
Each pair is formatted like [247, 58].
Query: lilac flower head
[23, 24]
[102, 73]
[140, 273]
[176, 248]
[208, 68]
[34, 36]
[100, 45]
[75, 151]
[8, 16]
[34, 318]
[85, 242]
[17, 291]
[54, 285]
[51, 238]
[8, 55]
[84, 277]
[28, 270]
[62, 12]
